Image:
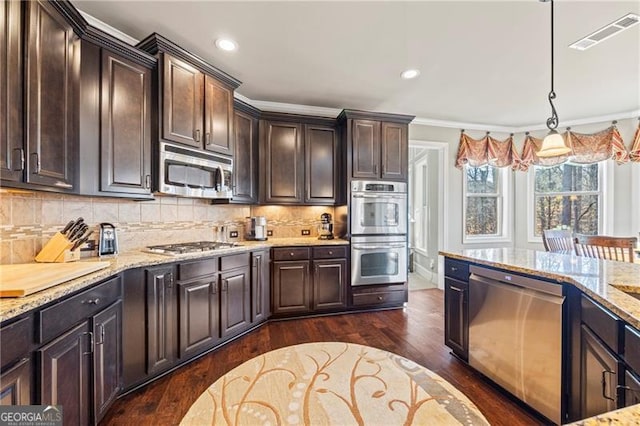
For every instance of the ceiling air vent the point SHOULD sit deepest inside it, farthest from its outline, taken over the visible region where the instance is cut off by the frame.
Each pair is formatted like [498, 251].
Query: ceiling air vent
[607, 31]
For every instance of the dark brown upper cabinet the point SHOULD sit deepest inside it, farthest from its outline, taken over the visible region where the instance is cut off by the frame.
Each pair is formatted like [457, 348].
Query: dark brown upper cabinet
[125, 145]
[377, 144]
[12, 155]
[300, 162]
[183, 94]
[52, 81]
[195, 98]
[245, 157]
[282, 162]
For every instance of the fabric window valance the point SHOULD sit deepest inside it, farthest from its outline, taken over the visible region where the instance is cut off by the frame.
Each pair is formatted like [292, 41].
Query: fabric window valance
[586, 149]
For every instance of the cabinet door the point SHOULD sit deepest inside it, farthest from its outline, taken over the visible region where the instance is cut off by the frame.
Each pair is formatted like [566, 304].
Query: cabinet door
[631, 389]
[329, 284]
[235, 301]
[218, 117]
[321, 163]
[125, 143]
[599, 372]
[65, 374]
[11, 137]
[395, 151]
[161, 319]
[291, 286]
[182, 91]
[199, 313]
[282, 162]
[365, 149]
[456, 317]
[107, 360]
[245, 158]
[52, 87]
[260, 287]
[15, 384]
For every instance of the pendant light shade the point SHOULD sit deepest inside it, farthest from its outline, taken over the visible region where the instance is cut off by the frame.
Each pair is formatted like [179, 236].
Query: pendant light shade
[553, 144]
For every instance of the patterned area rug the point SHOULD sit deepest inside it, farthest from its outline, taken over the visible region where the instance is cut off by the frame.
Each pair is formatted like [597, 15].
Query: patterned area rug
[332, 383]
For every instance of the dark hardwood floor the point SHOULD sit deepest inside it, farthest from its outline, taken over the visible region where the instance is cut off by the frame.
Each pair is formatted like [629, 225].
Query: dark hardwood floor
[415, 332]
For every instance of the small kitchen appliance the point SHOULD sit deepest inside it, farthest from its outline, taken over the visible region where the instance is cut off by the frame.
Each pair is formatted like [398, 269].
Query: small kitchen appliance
[256, 228]
[108, 243]
[325, 229]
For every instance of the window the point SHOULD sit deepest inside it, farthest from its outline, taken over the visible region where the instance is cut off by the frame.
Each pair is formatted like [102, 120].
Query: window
[485, 217]
[568, 196]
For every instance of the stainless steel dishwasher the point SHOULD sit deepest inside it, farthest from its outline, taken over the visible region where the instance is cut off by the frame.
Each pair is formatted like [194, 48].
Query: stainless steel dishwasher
[515, 336]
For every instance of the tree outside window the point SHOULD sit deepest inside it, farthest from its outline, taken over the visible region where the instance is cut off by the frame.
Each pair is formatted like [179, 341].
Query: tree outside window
[567, 196]
[483, 196]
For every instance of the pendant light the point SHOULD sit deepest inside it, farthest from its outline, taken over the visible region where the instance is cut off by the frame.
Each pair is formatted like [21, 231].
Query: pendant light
[553, 144]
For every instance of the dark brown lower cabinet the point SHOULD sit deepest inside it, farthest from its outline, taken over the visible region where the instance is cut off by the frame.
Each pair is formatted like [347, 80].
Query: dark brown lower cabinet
[260, 287]
[291, 287]
[160, 319]
[107, 358]
[600, 370]
[456, 333]
[199, 315]
[65, 374]
[631, 389]
[329, 284]
[235, 301]
[15, 384]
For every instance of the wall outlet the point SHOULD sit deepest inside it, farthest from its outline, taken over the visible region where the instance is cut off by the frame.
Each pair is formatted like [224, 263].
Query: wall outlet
[233, 234]
[306, 232]
[89, 245]
[269, 233]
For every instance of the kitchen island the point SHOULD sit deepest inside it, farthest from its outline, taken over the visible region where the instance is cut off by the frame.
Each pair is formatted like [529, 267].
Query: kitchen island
[599, 325]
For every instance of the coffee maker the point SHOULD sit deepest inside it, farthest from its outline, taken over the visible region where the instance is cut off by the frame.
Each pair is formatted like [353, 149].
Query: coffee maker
[256, 228]
[325, 229]
[108, 243]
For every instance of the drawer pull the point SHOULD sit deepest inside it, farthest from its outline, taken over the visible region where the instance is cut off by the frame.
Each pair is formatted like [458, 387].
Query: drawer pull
[292, 254]
[92, 301]
[330, 252]
[453, 269]
[380, 298]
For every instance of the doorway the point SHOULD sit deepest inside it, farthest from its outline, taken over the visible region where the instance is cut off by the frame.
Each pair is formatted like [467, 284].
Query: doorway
[427, 220]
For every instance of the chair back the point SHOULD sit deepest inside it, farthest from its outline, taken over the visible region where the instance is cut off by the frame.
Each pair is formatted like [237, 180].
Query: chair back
[603, 247]
[558, 240]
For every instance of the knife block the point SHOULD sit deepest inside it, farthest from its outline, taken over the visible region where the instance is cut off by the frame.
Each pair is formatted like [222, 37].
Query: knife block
[58, 250]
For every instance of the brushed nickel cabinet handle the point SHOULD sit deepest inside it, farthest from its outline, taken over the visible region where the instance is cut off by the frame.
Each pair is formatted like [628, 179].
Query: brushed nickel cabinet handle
[34, 155]
[207, 138]
[605, 384]
[380, 298]
[20, 154]
[197, 135]
[147, 181]
[92, 301]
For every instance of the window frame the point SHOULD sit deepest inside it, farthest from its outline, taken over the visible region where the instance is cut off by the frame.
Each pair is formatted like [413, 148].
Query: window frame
[504, 197]
[604, 193]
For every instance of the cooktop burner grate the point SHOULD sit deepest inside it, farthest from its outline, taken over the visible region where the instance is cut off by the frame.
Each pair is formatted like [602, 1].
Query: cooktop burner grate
[186, 248]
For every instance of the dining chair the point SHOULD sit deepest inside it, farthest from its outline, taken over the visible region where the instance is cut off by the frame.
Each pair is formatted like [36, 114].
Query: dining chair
[558, 240]
[603, 247]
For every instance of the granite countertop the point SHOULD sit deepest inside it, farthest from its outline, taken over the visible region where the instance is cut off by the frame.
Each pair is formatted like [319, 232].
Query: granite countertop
[604, 280]
[12, 307]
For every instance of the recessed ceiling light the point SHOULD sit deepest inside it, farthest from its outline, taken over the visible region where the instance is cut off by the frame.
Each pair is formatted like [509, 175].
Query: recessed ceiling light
[226, 44]
[409, 74]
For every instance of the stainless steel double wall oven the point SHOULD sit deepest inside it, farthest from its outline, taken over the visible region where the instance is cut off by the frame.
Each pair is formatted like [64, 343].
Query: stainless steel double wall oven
[378, 232]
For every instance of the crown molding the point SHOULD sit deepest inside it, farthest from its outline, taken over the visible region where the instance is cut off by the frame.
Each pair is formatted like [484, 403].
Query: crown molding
[583, 121]
[94, 22]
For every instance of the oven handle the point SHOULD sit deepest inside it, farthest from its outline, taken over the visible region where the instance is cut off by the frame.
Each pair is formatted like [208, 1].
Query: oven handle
[358, 247]
[399, 196]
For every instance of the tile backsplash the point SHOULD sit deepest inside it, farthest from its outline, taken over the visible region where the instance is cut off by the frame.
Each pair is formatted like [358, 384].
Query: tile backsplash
[29, 218]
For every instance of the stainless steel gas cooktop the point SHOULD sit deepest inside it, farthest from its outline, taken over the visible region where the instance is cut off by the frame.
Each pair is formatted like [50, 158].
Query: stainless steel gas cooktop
[188, 248]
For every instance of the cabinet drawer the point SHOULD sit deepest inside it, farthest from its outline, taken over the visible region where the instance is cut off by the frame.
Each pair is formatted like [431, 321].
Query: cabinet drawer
[603, 323]
[199, 268]
[381, 297]
[58, 318]
[234, 261]
[456, 269]
[291, 253]
[16, 340]
[632, 348]
[329, 252]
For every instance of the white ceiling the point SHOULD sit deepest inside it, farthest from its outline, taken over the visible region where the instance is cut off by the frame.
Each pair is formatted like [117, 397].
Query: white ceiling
[481, 62]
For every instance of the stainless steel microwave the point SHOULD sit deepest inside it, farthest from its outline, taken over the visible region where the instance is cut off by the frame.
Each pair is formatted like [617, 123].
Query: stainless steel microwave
[189, 172]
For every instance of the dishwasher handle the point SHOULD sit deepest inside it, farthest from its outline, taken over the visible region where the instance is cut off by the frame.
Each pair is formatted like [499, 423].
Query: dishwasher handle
[514, 287]
[509, 278]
